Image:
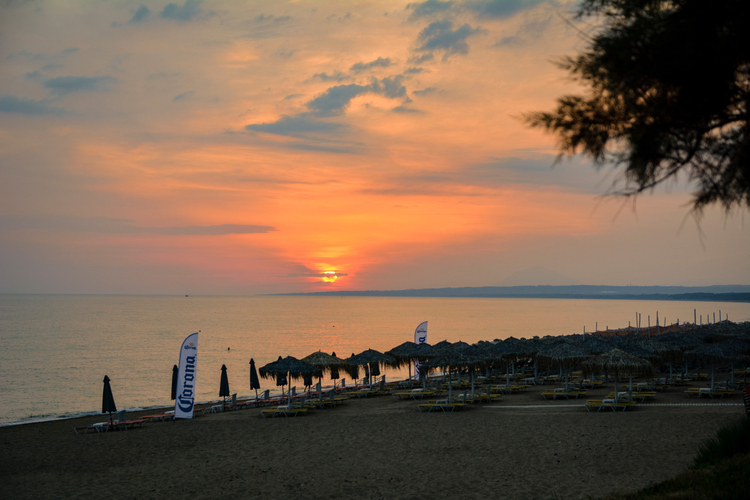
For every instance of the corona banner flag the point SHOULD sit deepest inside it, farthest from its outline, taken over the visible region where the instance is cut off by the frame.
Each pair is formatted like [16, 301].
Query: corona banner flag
[420, 337]
[186, 377]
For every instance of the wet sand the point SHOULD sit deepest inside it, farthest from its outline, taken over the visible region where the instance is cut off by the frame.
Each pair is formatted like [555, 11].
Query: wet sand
[370, 448]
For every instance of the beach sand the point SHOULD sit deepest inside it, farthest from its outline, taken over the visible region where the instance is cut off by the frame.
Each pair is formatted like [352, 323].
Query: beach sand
[370, 448]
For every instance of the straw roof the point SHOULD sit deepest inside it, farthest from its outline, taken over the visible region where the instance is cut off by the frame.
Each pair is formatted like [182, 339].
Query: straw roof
[617, 362]
[564, 355]
[291, 365]
[329, 363]
[371, 356]
[450, 360]
[717, 352]
[593, 344]
[409, 351]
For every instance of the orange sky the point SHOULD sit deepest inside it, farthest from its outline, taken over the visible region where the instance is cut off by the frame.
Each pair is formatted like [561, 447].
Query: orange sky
[240, 147]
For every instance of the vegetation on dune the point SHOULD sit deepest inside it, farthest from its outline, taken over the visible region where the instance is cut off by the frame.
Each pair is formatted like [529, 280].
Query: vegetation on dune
[721, 470]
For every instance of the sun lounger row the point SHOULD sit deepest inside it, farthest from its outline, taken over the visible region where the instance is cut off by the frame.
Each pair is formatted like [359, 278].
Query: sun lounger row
[717, 392]
[562, 393]
[441, 405]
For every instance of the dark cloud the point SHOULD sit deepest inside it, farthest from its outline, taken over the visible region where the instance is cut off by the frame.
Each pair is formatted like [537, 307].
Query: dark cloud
[336, 76]
[391, 86]
[109, 225]
[29, 107]
[421, 59]
[404, 110]
[333, 102]
[67, 84]
[141, 14]
[272, 19]
[294, 126]
[501, 8]
[428, 90]
[380, 62]
[184, 96]
[482, 8]
[440, 36]
[301, 271]
[190, 10]
[428, 9]
[40, 56]
[413, 71]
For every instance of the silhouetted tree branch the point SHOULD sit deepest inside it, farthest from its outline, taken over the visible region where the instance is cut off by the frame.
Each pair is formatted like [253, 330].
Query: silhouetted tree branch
[667, 92]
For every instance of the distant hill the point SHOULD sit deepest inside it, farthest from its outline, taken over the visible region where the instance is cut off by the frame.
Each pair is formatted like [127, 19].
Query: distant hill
[716, 293]
[535, 276]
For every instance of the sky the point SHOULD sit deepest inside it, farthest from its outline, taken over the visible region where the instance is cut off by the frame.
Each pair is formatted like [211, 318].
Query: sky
[250, 147]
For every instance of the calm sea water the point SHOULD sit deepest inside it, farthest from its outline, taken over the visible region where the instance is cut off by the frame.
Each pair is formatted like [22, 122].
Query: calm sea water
[56, 349]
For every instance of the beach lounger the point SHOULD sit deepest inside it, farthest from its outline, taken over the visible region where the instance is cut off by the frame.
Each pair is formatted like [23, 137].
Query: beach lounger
[115, 425]
[718, 392]
[413, 394]
[442, 405]
[608, 404]
[562, 393]
[160, 417]
[283, 411]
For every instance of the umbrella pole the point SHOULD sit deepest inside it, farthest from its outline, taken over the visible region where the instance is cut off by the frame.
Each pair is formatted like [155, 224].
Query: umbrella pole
[712, 376]
[630, 386]
[616, 377]
[450, 387]
[289, 380]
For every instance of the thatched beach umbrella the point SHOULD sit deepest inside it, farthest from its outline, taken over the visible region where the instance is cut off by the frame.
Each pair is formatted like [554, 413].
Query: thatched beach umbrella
[224, 384]
[254, 381]
[449, 360]
[108, 400]
[408, 352]
[617, 362]
[375, 359]
[719, 352]
[289, 367]
[564, 356]
[332, 364]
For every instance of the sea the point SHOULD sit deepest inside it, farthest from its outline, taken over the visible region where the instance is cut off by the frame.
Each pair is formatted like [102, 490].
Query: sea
[56, 349]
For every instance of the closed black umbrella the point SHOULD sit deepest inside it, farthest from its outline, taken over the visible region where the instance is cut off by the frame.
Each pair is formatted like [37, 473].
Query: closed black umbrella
[175, 370]
[254, 381]
[108, 400]
[224, 385]
[308, 381]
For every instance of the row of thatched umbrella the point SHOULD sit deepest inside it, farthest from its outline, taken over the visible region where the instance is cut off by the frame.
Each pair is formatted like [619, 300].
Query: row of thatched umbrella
[631, 354]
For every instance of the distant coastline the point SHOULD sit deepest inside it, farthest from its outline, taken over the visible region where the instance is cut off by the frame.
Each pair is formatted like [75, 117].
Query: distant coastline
[716, 293]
